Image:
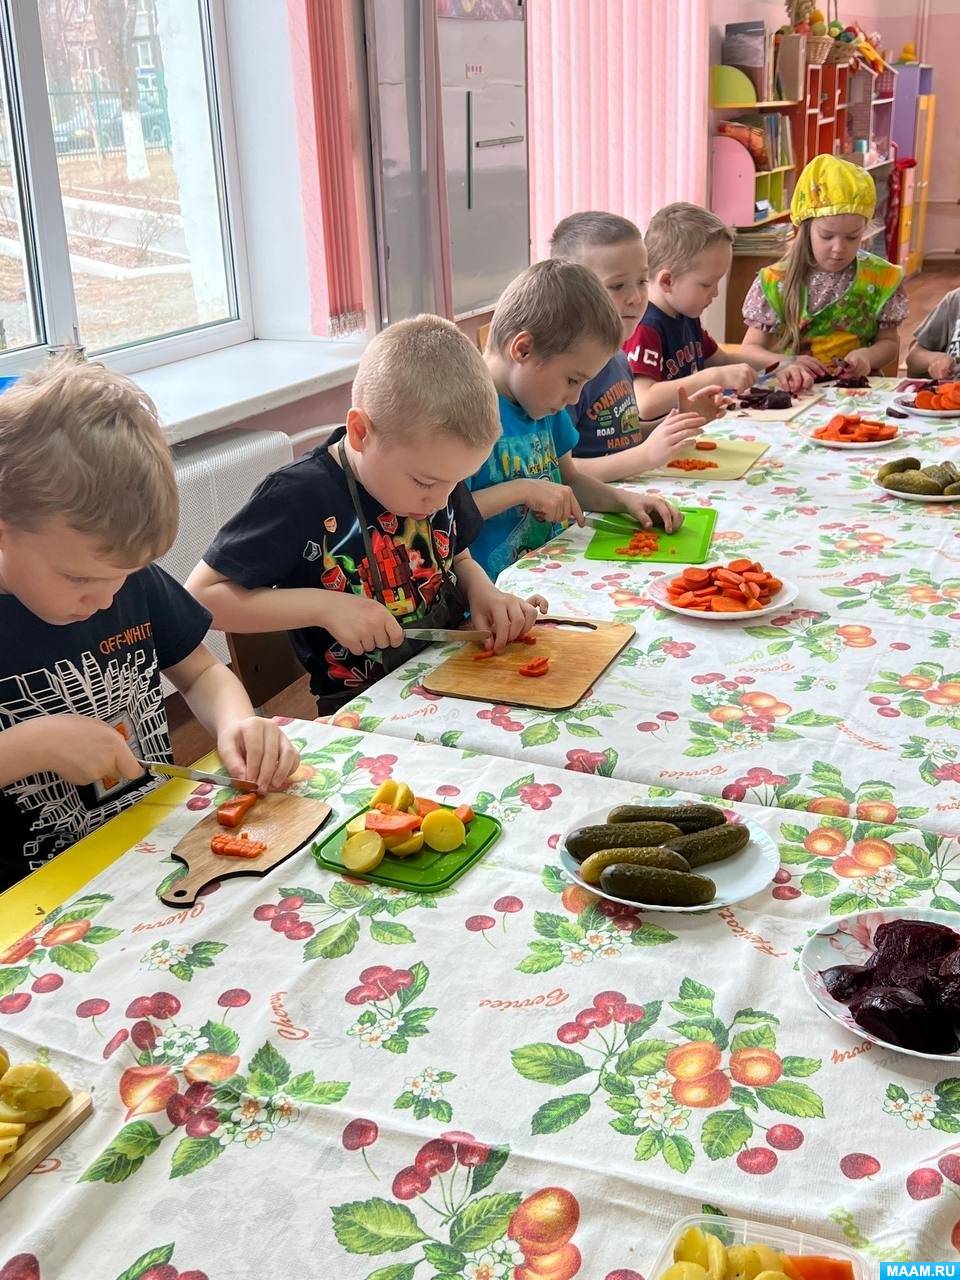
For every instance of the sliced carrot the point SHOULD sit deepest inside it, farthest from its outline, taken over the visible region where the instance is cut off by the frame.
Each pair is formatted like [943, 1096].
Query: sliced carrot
[740, 566]
[705, 446]
[483, 655]
[723, 604]
[424, 806]
[817, 1267]
[232, 812]
[391, 824]
[236, 846]
[685, 600]
[694, 576]
[724, 575]
[465, 814]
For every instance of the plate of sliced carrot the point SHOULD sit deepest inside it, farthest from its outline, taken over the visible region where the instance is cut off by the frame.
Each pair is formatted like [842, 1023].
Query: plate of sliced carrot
[942, 401]
[850, 431]
[737, 591]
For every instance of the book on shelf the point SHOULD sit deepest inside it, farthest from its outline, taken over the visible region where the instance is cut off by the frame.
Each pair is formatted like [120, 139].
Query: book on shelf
[749, 47]
[766, 136]
[771, 240]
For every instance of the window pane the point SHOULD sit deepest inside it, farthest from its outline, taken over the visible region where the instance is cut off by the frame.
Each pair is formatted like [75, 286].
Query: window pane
[140, 167]
[19, 318]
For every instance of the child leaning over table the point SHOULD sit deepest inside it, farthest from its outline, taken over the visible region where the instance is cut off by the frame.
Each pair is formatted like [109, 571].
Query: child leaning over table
[935, 350]
[370, 532]
[88, 623]
[614, 443]
[828, 300]
[553, 330]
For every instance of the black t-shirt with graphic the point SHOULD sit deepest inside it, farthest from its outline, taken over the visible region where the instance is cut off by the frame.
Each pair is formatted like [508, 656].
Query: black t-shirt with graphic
[108, 668]
[299, 529]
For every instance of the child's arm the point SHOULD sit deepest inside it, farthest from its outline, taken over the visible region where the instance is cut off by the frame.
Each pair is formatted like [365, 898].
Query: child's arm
[357, 622]
[922, 363]
[504, 615]
[664, 442]
[597, 496]
[78, 748]
[250, 747]
[752, 361]
[867, 360]
[795, 374]
[549, 502]
[656, 399]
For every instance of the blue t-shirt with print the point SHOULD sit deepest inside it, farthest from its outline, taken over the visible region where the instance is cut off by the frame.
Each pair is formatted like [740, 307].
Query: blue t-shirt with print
[606, 415]
[529, 449]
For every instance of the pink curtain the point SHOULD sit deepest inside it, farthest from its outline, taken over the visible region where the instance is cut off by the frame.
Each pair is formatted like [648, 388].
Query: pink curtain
[617, 100]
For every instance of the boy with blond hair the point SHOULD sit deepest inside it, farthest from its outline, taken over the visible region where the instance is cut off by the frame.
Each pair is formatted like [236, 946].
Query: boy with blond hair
[369, 533]
[88, 623]
[614, 443]
[689, 251]
[553, 330]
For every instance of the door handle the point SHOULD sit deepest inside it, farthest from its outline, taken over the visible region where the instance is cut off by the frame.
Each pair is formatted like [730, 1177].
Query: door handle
[499, 142]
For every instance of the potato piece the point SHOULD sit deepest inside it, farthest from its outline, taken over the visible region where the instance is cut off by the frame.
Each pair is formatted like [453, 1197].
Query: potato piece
[716, 1257]
[19, 1115]
[685, 1271]
[743, 1262]
[691, 1247]
[4, 1061]
[413, 844]
[363, 852]
[357, 824]
[33, 1084]
[404, 797]
[10, 1130]
[8, 1146]
[770, 1260]
[443, 831]
[385, 793]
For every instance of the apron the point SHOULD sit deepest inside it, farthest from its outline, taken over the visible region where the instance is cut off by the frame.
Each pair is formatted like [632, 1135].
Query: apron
[850, 321]
[446, 612]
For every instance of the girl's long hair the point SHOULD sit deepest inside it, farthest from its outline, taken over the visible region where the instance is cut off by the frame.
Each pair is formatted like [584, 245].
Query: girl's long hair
[799, 263]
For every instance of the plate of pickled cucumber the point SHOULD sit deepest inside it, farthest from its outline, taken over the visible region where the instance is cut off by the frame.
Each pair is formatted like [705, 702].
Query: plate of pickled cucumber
[909, 478]
[669, 856]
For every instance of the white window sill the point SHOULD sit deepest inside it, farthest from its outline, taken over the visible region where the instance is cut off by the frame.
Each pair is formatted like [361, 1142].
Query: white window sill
[209, 392]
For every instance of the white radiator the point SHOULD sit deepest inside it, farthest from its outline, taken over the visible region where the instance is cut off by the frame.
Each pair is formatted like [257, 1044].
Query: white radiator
[215, 478]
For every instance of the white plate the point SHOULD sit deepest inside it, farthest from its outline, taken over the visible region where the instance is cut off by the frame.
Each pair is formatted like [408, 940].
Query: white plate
[736, 878]
[847, 445]
[919, 497]
[902, 402]
[786, 595]
[849, 940]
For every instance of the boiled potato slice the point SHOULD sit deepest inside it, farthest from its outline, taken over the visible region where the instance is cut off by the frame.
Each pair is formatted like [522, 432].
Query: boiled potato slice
[363, 852]
[19, 1115]
[685, 1271]
[4, 1061]
[404, 797]
[8, 1130]
[443, 831]
[412, 844]
[385, 793]
[357, 824]
[8, 1146]
[770, 1260]
[771, 1275]
[743, 1262]
[716, 1257]
[692, 1247]
[33, 1084]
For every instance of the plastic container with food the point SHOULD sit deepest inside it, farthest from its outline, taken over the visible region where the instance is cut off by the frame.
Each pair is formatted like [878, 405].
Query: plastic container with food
[738, 1231]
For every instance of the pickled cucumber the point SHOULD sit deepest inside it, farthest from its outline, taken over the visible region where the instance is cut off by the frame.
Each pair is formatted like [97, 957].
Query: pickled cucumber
[911, 482]
[591, 868]
[898, 464]
[688, 817]
[627, 835]
[657, 886]
[938, 474]
[713, 845]
[952, 489]
[952, 470]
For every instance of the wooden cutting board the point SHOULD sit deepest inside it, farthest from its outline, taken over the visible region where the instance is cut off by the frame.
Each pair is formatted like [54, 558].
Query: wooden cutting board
[800, 404]
[40, 1139]
[580, 650]
[733, 459]
[284, 823]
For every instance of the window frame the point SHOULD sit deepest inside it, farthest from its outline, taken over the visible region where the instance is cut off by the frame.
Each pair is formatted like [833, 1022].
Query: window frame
[32, 133]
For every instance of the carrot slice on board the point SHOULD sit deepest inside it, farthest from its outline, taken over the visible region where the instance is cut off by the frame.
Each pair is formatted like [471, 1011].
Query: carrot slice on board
[233, 812]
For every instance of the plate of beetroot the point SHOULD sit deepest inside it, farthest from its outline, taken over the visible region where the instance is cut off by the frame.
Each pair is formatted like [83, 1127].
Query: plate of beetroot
[892, 977]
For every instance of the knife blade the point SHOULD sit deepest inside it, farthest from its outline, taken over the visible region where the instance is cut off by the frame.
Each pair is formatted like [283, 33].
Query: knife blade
[440, 634]
[197, 775]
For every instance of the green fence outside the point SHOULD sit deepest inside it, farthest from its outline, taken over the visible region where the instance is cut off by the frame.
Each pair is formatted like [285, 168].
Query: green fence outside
[90, 122]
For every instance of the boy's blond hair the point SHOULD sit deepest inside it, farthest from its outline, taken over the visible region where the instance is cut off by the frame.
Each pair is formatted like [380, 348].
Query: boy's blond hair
[83, 444]
[581, 231]
[425, 372]
[559, 304]
[678, 232]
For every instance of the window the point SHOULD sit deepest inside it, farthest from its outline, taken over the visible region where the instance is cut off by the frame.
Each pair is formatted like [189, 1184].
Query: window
[122, 235]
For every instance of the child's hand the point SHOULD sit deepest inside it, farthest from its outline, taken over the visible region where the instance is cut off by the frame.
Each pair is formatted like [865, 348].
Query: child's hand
[650, 510]
[795, 377]
[81, 750]
[669, 437]
[552, 503]
[257, 750]
[739, 376]
[856, 364]
[941, 366]
[505, 616]
[708, 402]
[361, 624]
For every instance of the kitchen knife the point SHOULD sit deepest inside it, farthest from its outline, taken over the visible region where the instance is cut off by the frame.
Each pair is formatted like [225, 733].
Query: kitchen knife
[446, 637]
[197, 775]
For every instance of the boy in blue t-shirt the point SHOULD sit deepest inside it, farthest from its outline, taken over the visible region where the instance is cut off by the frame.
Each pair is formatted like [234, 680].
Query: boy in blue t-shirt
[553, 330]
[689, 251]
[614, 443]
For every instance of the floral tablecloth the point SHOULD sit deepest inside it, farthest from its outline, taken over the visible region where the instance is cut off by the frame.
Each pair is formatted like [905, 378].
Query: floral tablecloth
[310, 1076]
[847, 702]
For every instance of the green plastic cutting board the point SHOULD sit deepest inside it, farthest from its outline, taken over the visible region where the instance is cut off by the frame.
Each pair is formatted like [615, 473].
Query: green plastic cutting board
[424, 872]
[689, 545]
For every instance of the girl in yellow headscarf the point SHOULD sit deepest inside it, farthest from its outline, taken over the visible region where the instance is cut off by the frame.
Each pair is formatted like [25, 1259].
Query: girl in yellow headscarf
[827, 300]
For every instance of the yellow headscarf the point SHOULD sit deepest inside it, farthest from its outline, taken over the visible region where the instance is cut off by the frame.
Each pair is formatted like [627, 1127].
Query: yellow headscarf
[829, 186]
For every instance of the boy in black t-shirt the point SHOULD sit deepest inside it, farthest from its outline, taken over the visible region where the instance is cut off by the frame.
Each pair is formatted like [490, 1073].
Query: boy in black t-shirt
[87, 623]
[369, 533]
[689, 252]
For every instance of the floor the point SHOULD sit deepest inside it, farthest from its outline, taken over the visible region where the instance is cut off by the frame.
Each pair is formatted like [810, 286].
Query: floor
[190, 741]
